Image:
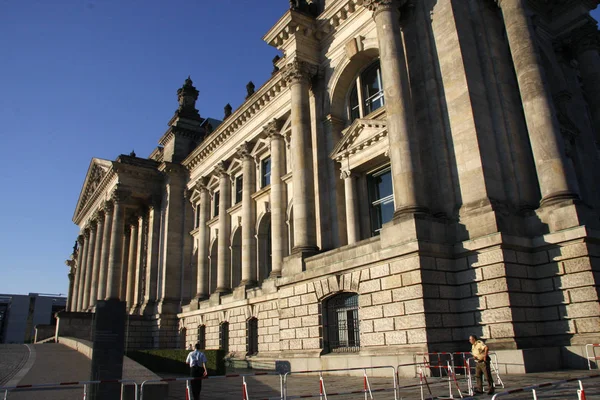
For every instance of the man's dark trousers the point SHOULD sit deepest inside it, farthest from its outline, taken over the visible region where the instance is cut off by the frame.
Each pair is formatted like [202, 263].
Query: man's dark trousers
[481, 368]
[196, 372]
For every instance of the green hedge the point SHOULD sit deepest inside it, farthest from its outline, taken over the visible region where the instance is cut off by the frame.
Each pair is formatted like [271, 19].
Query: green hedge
[173, 360]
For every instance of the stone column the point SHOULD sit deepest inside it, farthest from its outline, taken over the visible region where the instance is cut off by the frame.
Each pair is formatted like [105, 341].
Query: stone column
[97, 259]
[547, 143]
[587, 47]
[89, 265]
[278, 197]
[203, 236]
[108, 209]
[75, 296]
[116, 247]
[132, 265]
[72, 264]
[86, 242]
[139, 265]
[124, 261]
[151, 279]
[224, 254]
[402, 135]
[248, 216]
[299, 73]
[352, 221]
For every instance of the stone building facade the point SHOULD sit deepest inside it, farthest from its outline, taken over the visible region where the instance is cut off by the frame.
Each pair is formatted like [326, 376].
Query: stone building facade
[413, 172]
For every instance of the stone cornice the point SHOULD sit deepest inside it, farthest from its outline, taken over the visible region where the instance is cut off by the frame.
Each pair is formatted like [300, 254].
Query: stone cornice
[330, 19]
[245, 112]
[289, 24]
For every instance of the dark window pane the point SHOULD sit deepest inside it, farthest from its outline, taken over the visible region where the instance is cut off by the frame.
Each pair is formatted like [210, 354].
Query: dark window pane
[266, 172]
[224, 336]
[381, 198]
[202, 336]
[216, 204]
[341, 323]
[354, 109]
[252, 339]
[239, 188]
[372, 88]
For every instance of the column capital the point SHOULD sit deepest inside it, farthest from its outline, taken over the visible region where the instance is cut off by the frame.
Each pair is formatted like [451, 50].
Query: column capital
[586, 38]
[80, 239]
[108, 207]
[299, 71]
[345, 173]
[244, 151]
[221, 169]
[273, 129]
[86, 233]
[202, 185]
[378, 6]
[119, 196]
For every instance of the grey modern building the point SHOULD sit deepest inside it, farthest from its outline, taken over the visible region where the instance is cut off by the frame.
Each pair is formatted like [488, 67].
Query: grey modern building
[20, 313]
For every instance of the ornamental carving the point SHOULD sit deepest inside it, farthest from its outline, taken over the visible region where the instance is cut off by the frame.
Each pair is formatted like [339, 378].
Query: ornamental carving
[244, 151]
[299, 72]
[80, 240]
[202, 185]
[273, 129]
[119, 195]
[221, 168]
[108, 207]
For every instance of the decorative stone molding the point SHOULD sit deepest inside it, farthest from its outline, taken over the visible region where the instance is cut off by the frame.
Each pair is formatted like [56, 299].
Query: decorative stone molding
[586, 38]
[244, 151]
[80, 239]
[221, 169]
[119, 195]
[299, 71]
[345, 173]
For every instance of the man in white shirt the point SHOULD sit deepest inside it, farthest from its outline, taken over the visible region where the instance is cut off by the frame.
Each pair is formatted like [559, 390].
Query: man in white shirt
[196, 360]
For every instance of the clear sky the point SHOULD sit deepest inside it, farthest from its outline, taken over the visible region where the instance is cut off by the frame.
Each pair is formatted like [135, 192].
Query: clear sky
[98, 78]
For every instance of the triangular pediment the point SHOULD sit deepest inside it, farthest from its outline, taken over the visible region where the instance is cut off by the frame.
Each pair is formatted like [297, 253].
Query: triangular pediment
[96, 173]
[360, 134]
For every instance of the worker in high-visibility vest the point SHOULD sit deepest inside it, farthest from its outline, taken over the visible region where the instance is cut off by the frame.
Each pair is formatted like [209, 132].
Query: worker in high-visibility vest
[482, 364]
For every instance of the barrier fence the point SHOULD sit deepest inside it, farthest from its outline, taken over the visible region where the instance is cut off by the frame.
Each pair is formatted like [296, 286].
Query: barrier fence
[424, 386]
[63, 385]
[591, 349]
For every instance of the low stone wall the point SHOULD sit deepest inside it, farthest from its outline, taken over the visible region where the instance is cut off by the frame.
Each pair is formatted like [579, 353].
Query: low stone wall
[43, 332]
[74, 324]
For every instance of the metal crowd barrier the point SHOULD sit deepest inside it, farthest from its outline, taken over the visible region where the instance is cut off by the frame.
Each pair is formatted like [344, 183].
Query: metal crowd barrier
[594, 357]
[243, 376]
[62, 385]
[580, 391]
[323, 392]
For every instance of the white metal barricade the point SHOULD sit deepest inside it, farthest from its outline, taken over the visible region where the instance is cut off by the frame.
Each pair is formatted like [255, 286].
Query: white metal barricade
[590, 354]
[580, 391]
[435, 362]
[243, 376]
[323, 395]
[63, 385]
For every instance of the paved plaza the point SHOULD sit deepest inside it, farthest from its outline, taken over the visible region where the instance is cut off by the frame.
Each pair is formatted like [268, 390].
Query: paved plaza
[58, 363]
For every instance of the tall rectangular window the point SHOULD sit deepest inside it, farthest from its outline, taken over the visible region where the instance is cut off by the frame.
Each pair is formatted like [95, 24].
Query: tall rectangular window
[381, 198]
[224, 336]
[265, 170]
[202, 336]
[216, 204]
[239, 188]
[197, 216]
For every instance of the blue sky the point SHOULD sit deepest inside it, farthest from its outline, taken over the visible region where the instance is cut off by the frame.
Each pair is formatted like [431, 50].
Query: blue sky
[98, 78]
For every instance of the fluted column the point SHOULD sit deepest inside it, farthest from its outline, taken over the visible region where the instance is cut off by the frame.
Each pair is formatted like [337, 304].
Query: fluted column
[352, 220]
[224, 254]
[132, 264]
[402, 137]
[89, 270]
[78, 268]
[116, 247]
[72, 264]
[104, 252]
[139, 264]
[248, 216]
[97, 259]
[547, 144]
[203, 236]
[587, 47]
[153, 248]
[124, 262]
[278, 195]
[86, 242]
[299, 73]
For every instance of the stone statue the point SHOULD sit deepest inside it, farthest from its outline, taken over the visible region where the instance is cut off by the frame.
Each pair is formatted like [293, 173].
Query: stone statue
[306, 6]
[227, 109]
[132, 154]
[249, 89]
[275, 67]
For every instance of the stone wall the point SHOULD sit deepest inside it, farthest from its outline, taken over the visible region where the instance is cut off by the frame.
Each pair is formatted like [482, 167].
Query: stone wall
[43, 332]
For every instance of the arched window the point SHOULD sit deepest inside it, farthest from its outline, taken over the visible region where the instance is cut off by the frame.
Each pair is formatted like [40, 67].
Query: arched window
[224, 336]
[252, 336]
[202, 336]
[366, 94]
[341, 323]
